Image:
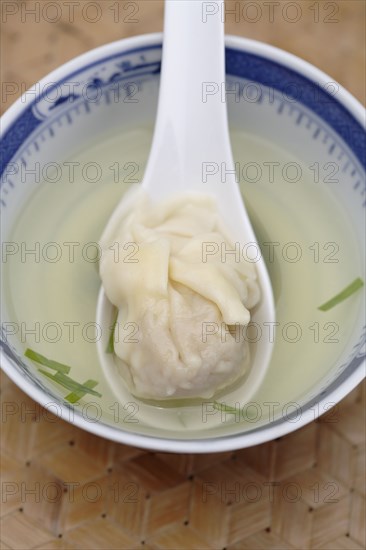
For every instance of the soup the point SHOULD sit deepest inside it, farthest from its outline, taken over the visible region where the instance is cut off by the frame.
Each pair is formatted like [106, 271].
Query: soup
[52, 282]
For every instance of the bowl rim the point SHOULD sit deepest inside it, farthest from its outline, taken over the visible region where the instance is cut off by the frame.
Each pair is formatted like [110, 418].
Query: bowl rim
[217, 443]
[262, 49]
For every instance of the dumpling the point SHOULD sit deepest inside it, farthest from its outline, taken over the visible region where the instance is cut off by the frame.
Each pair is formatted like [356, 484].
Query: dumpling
[189, 307]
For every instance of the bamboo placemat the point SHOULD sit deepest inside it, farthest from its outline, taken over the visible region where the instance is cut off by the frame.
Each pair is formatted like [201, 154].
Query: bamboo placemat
[64, 488]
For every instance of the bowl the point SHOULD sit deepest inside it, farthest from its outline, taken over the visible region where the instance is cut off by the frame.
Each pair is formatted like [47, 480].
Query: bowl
[275, 97]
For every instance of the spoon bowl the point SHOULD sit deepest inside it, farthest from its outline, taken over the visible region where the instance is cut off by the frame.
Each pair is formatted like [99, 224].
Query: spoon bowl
[191, 152]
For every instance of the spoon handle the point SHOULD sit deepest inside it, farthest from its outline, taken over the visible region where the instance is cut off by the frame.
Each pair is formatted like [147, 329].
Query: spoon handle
[191, 126]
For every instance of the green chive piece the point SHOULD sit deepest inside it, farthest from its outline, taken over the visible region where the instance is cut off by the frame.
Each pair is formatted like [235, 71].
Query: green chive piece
[343, 295]
[74, 396]
[110, 345]
[225, 408]
[60, 376]
[42, 360]
[69, 383]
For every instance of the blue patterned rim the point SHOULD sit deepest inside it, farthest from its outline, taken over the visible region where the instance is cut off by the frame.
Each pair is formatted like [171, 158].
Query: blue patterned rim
[241, 64]
[254, 68]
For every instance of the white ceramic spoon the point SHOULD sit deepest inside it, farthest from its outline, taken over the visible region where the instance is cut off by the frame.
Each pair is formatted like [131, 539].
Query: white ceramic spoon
[191, 152]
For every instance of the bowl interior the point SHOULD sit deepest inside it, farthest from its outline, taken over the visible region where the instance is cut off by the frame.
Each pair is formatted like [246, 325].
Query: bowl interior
[109, 92]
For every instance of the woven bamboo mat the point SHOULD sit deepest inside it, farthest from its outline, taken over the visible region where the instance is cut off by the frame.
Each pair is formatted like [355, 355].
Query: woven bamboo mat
[65, 488]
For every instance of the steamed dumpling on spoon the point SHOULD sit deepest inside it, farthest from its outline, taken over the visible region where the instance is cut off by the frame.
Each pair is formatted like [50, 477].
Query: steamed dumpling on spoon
[189, 313]
[189, 306]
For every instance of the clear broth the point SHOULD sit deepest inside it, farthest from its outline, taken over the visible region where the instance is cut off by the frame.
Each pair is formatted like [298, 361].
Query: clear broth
[312, 255]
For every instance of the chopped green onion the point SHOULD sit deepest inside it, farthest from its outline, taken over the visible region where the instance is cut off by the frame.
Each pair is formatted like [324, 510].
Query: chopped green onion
[225, 408]
[345, 293]
[42, 360]
[60, 376]
[74, 396]
[69, 383]
[110, 345]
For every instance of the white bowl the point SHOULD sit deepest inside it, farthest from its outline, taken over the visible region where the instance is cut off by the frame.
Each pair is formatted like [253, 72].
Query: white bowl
[288, 102]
